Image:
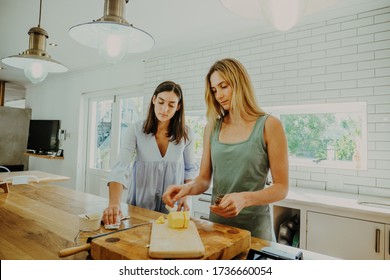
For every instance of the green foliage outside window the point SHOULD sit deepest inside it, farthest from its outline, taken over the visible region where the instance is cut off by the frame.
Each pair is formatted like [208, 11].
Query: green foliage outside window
[330, 136]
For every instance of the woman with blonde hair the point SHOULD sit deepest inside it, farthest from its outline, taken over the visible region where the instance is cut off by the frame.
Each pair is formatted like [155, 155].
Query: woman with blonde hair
[242, 144]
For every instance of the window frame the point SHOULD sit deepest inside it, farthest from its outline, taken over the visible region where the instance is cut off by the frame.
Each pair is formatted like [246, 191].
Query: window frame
[323, 108]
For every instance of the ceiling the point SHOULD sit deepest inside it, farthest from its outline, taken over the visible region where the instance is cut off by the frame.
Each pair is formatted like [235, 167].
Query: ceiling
[174, 24]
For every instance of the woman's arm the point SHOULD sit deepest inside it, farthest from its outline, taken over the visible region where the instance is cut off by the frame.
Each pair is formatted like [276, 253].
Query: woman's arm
[119, 177]
[113, 213]
[201, 183]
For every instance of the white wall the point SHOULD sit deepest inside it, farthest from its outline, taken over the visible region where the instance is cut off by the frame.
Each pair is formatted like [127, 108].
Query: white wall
[341, 60]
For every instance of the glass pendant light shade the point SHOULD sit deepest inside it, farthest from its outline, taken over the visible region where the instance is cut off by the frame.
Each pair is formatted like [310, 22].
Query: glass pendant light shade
[283, 14]
[35, 67]
[113, 44]
[36, 72]
[112, 35]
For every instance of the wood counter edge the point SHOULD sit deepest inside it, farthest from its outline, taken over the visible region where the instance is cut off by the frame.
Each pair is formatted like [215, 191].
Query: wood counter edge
[42, 156]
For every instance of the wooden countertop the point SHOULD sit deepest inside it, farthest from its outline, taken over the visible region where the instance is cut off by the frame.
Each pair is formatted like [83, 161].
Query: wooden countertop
[39, 221]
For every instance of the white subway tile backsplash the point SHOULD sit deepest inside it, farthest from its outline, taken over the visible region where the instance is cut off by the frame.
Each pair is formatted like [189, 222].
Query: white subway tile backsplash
[374, 46]
[344, 189]
[347, 50]
[383, 72]
[382, 90]
[341, 34]
[385, 26]
[340, 60]
[358, 40]
[382, 36]
[326, 45]
[311, 185]
[383, 108]
[377, 63]
[357, 23]
[326, 78]
[373, 82]
[377, 191]
[383, 164]
[383, 127]
[341, 84]
[358, 74]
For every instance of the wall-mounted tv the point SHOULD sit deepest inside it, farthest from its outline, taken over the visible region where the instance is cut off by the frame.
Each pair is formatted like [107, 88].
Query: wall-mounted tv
[43, 136]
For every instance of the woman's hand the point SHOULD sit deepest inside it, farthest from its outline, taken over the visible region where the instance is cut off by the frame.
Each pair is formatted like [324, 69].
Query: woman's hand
[230, 205]
[112, 215]
[174, 193]
[182, 204]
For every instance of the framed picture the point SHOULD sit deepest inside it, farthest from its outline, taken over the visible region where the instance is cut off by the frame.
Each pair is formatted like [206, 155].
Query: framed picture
[59, 153]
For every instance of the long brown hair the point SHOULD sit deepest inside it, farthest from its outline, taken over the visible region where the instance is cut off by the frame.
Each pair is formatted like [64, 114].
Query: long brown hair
[177, 129]
[243, 101]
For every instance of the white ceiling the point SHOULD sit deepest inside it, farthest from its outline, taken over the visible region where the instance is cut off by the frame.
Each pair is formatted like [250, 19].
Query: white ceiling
[174, 24]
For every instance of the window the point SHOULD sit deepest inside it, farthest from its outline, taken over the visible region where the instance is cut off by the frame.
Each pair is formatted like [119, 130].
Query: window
[196, 120]
[327, 135]
[109, 119]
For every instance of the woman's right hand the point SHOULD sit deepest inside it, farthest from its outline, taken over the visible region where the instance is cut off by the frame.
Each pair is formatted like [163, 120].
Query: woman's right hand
[112, 215]
[174, 193]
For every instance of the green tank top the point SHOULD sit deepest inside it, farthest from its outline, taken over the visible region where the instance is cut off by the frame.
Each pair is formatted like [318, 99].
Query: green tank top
[242, 167]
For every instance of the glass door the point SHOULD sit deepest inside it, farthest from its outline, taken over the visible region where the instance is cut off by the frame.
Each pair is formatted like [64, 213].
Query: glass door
[108, 119]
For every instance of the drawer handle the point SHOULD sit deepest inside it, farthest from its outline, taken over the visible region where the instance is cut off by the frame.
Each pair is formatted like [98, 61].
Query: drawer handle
[377, 240]
[203, 218]
[389, 242]
[204, 200]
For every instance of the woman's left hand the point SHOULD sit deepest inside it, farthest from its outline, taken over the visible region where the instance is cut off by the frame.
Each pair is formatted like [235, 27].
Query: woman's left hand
[230, 205]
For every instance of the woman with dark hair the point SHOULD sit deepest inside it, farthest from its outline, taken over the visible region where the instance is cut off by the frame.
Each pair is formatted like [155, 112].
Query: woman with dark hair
[241, 144]
[156, 153]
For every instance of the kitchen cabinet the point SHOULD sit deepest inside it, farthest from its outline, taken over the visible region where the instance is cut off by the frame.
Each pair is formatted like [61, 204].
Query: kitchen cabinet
[347, 238]
[334, 224]
[339, 224]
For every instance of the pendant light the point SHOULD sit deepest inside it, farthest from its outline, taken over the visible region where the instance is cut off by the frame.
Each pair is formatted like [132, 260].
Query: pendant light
[35, 61]
[111, 34]
[281, 14]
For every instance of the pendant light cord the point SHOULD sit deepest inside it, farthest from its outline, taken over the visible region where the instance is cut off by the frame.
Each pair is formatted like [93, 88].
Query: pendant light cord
[40, 12]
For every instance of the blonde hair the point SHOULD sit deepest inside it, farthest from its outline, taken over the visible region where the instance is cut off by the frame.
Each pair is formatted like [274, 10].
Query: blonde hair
[243, 101]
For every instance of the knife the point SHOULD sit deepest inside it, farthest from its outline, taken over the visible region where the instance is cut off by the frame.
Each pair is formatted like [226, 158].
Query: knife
[86, 247]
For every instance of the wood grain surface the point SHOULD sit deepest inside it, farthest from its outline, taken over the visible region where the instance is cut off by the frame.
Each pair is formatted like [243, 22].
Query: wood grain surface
[219, 241]
[38, 221]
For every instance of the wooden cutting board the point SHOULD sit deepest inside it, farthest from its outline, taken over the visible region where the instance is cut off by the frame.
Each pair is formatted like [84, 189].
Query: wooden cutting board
[219, 241]
[169, 243]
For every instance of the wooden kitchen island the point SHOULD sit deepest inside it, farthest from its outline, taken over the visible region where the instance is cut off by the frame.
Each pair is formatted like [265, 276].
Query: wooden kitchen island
[38, 221]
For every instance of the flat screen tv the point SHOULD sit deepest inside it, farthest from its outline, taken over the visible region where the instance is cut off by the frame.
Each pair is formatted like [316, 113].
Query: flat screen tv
[43, 136]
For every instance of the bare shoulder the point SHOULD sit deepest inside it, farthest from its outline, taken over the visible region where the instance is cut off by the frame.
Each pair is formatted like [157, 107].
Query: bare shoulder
[273, 128]
[273, 122]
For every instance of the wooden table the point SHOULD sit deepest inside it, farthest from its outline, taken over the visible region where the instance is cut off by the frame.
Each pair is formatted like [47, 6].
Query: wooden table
[37, 221]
